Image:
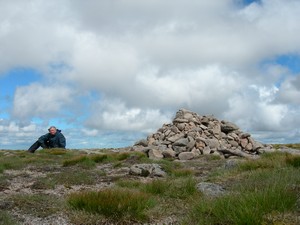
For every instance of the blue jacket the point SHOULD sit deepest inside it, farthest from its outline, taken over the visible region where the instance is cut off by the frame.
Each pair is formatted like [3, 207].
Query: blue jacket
[53, 141]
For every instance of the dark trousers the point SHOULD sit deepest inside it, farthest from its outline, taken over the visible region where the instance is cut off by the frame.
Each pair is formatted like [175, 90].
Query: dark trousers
[37, 144]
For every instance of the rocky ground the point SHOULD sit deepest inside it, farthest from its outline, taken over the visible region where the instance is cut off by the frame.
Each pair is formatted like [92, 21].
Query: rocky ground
[47, 173]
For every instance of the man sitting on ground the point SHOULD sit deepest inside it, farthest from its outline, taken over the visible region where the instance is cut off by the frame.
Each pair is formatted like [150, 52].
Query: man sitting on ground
[53, 139]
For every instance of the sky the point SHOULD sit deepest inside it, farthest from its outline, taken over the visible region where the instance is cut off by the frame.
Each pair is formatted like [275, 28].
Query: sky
[110, 72]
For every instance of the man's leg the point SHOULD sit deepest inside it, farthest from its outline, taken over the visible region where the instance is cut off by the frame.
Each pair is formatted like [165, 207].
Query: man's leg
[34, 147]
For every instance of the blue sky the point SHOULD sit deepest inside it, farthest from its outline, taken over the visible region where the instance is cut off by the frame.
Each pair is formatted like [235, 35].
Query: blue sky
[109, 73]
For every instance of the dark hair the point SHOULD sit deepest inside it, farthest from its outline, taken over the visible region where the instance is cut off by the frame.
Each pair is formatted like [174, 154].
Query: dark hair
[52, 127]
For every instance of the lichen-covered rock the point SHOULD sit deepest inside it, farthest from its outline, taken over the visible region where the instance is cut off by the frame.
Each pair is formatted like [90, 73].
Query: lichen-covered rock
[145, 170]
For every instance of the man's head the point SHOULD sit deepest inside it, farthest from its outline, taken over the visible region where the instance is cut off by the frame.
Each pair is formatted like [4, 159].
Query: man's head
[52, 130]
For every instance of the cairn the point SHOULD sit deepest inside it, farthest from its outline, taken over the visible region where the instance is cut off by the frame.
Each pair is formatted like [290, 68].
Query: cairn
[191, 135]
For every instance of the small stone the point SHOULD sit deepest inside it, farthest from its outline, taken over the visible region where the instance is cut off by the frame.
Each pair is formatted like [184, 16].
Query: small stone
[179, 149]
[181, 126]
[210, 189]
[200, 144]
[196, 152]
[206, 150]
[233, 143]
[181, 142]
[213, 143]
[244, 142]
[186, 155]
[249, 147]
[175, 137]
[142, 142]
[146, 170]
[245, 135]
[155, 154]
[169, 153]
[227, 127]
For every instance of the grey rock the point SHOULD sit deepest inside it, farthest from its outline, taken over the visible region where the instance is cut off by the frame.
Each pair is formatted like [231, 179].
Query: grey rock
[231, 163]
[155, 154]
[186, 155]
[227, 127]
[206, 150]
[233, 143]
[142, 142]
[179, 149]
[213, 143]
[205, 121]
[175, 137]
[249, 147]
[245, 135]
[203, 127]
[181, 126]
[181, 142]
[169, 153]
[196, 152]
[190, 144]
[178, 120]
[145, 170]
[244, 142]
[210, 189]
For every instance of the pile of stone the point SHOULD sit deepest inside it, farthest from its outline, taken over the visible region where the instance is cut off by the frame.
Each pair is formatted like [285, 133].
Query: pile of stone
[191, 135]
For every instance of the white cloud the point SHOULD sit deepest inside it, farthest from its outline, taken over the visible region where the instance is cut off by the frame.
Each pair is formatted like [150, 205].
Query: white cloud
[290, 91]
[36, 100]
[113, 114]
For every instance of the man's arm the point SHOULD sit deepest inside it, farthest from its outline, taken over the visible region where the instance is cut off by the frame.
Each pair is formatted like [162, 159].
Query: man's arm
[62, 141]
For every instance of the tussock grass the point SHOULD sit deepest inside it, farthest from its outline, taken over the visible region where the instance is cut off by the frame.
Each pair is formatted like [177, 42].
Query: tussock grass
[43, 183]
[181, 188]
[98, 158]
[183, 172]
[55, 151]
[293, 160]
[3, 182]
[69, 178]
[116, 158]
[116, 204]
[128, 183]
[294, 146]
[267, 161]
[260, 191]
[169, 166]
[39, 205]
[75, 160]
[6, 218]
[11, 162]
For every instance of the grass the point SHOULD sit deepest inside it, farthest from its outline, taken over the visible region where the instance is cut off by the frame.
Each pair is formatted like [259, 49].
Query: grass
[264, 187]
[39, 205]
[116, 158]
[181, 188]
[293, 160]
[3, 182]
[6, 218]
[128, 183]
[69, 178]
[11, 162]
[82, 160]
[293, 145]
[115, 204]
